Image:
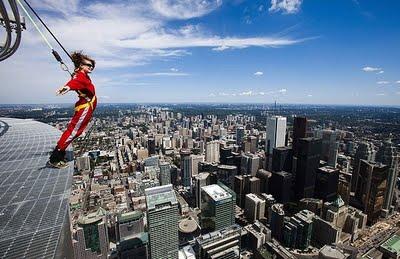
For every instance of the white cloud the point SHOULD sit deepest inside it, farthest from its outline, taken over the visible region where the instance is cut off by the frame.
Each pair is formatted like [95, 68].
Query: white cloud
[174, 69]
[221, 48]
[286, 6]
[383, 82]
[258, 73]
[184, 9]
[381, 72]
[253, 93]
[123, 33]
[381, 94]
[247, 93]
[212, 95]
[371, 69]
[117, 34]
[164, 74]
[309, 95]
[398, 82]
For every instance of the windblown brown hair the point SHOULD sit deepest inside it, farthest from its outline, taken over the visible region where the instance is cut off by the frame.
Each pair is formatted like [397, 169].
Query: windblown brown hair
[78, 57]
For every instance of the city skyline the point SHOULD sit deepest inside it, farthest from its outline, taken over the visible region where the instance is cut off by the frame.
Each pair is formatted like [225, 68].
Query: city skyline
[290, 51]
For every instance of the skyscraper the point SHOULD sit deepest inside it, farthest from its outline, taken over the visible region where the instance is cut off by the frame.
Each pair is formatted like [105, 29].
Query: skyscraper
[326, 184]
[245, 184]
[212, 151]
[194, 162]
[282, 159]
[129, 223]
[309, 150]
[91, 236]
[217, 207]
[276, 133]
[165, 173]
[255, 207]
[162, 220]
[186, 169]
[330, 145]
[239, 135]
[365, 150]
[151, 146]
[299, 131]
[297, 232]
[201, 180]
[281, 186]
[277, 221]
[371, 188]
[250, 164]
[389, 157]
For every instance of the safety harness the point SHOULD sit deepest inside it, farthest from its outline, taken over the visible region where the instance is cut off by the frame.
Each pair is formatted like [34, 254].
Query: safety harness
[85, 105]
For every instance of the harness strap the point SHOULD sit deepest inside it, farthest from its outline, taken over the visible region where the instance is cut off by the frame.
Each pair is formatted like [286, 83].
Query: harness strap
[85, 105]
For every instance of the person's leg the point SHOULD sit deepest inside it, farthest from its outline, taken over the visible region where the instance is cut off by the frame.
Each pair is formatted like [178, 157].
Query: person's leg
[68, 135]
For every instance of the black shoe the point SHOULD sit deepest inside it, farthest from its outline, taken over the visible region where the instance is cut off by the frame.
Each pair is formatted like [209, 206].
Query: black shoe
[56, 156]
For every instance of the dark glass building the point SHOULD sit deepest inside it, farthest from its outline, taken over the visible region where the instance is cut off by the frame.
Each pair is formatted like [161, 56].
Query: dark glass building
[282, 159]
[308, 156]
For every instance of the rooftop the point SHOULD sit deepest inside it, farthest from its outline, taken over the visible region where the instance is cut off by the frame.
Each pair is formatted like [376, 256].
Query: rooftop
[33, 197]
[160, 195]
[187, 225]
[128, 216]
[392, 244]
[216, 192]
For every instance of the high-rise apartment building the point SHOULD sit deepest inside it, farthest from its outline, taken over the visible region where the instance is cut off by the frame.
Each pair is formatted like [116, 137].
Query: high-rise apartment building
[276, 133]
[162, 220]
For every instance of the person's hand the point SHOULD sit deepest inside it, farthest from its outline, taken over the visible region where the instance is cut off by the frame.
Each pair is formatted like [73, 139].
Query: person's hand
[63, 90]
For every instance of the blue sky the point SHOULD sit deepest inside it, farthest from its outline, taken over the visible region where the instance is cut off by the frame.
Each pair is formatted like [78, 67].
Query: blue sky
[292, 51]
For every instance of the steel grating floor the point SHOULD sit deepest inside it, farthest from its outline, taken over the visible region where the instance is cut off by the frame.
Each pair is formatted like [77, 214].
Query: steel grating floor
[33, 197]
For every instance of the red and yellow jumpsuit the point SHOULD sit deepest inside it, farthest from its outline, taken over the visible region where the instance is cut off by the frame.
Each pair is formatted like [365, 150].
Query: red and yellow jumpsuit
[84, 109]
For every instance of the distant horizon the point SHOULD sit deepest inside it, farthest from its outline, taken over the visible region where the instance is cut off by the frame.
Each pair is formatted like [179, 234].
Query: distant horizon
[205, 103]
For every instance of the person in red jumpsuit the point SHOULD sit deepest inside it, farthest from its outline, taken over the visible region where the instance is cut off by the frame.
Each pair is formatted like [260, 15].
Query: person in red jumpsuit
[84, 107]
